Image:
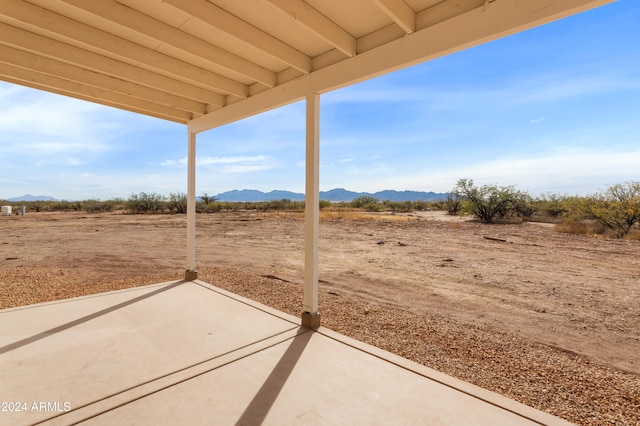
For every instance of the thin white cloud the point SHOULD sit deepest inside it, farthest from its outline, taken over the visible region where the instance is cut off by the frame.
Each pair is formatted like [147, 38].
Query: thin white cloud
[73, 161]
[42, 130]
[572, 171]
[247, 168]
[205, 161]
[237, 164]
[31, 111]
[41, 148]
[561, 85]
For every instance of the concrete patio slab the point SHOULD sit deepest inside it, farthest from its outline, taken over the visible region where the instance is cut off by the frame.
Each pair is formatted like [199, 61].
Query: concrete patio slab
[187, 352]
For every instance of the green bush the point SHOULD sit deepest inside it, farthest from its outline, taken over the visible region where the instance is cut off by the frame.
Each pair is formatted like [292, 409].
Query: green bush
[211, 207]
[363, 201]
[206, 198]
[145, 203]
[373, 207]
[580, 226]
[324, 204]
[177, 203]
[617, 208]
[453, 203]
[489, 202]
[398, 206]
[94, 206]
[425, 205]
[553, 205]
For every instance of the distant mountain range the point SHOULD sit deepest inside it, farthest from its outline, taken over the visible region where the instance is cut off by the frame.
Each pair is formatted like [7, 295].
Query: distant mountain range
[336, 195]
[29, 197]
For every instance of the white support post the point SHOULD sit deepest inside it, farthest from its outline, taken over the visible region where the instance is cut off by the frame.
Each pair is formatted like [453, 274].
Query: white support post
[191, 273]
[310, 315]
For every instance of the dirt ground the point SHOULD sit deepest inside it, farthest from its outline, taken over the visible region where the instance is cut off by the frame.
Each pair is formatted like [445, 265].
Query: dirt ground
[549, 319]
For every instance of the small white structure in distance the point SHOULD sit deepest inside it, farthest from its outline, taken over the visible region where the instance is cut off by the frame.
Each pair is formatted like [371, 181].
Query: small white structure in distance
[6, 210]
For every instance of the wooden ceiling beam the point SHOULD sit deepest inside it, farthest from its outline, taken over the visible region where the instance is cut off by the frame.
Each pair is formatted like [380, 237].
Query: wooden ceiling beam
[30, 61]
[241, 30]
[401, 13]
[43, 21]
[305, 15]
[43, 46]
[164, 33]
[76, 90]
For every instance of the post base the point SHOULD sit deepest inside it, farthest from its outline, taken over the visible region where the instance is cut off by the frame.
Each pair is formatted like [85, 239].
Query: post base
[190, 275]
[311, 320]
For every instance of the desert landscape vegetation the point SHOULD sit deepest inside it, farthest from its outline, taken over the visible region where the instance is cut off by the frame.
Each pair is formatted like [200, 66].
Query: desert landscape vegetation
[536, 298]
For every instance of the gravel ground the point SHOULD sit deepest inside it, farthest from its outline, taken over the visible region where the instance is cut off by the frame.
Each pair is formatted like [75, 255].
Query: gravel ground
[559, 382]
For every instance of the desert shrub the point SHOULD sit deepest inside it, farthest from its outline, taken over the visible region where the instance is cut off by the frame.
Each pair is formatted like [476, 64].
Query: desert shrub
[403, 206]
[94, 206]
[206, 198]
[398, 206]
[145, 203]
[36, 206]
[634, 234]
[523, 205]
[324, 204]
[177, 203]
[57, 206]
[225, 206]
[453, 203]
[49, 206]
[434, 205]
[368, 203]
[116, 204]
[425, 205]
[62, 206]
[231, 207]
[489, 202]
[212, 207]
[553, 205]
[291, 205]
[341, 205]
[362, 201]
[580, 226]
[277, 205]
[617, 208]
[373, 207]
[104, 206]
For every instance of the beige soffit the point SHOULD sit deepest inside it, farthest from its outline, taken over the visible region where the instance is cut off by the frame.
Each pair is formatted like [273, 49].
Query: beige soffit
[210, 62]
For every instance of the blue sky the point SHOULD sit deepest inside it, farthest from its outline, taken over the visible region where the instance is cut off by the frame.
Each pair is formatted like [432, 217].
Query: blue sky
[553, 109]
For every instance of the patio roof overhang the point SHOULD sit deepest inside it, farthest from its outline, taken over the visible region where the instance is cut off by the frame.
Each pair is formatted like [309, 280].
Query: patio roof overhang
[209, 62]
[206, 63]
